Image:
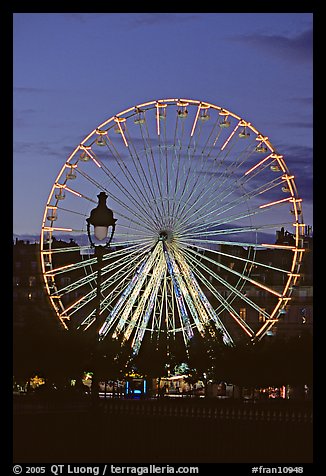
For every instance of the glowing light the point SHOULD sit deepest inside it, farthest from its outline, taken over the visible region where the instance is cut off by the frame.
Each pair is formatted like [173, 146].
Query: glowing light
[119, 120]
[261, 138]
[195, 122]
[158, 106]
[276, 202]
[200, 106]
[259, 163]
[85, 149]
[96, 162]
[287, 177]
[264, 287]
[50, 228]
[240, 324]
[73, 191]
[230, 137]
[88, 154]
[282, 247]
[175, 276]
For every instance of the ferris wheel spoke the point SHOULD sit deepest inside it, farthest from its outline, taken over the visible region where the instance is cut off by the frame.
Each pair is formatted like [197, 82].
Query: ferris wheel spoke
[64, 188]
[210, 180]
[177, 150]
[207, 228]
[145, 305]
[79, 283]
[205, 310]
[115, 282]
[230, 167]
[200, 180]
[157, 313]
[75, 306]
[92, 276]
[225, 304]
[232, 219]
[69, 249]
[246, 260]
[214, 228]
[242, 276]
[69, 267]
[106, 282]
[170, 307]
[229, 231]
[146, 179]
[245, 244]
[234, 290]
[186, 286]
[188, 188]
[128, 296]
[209, 219]
[155, 182]
[218, 209]
[126, 240]
[189, 211]
[123, 259]
[152, 303]
[174, 272]
[132, 212]
[192, 255]
[139, 192]
[210, 144]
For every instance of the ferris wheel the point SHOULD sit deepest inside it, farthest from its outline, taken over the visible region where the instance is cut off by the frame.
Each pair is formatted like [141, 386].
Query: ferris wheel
[208, 227]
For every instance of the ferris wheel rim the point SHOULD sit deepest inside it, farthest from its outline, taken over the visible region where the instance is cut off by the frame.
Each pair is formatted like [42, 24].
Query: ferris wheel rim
[146, 238]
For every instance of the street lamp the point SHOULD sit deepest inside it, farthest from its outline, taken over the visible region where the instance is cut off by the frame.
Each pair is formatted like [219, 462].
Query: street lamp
[101, 218]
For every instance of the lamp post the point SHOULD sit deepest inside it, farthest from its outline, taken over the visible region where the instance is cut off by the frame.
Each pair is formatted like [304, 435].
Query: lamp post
[101, 218]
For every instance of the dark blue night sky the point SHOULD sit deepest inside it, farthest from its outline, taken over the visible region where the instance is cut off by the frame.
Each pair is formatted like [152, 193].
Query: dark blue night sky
[73, 71]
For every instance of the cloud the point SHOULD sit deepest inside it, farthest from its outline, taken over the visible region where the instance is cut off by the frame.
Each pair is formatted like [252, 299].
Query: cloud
[21, 89]
[298, 154]
[40, 149]
[305, 101]
[22, 118]
[297, 48]
[299, 125]
[299, 159]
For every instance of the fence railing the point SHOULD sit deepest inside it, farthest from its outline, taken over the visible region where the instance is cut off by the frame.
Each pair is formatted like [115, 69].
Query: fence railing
[212, 410]
[207, 409]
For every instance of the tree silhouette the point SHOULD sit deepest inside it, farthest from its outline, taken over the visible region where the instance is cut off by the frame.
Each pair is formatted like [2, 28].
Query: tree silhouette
[152, 361]
[206, 356]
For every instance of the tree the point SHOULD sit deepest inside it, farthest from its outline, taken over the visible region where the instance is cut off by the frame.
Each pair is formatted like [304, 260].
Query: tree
[205, 356]
[113, 360]
[152, 360]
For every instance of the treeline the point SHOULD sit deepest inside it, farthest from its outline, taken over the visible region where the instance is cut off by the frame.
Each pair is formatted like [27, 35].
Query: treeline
[59, 356]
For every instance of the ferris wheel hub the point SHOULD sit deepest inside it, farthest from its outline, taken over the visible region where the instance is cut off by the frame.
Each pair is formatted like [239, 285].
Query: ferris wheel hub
[165, 235]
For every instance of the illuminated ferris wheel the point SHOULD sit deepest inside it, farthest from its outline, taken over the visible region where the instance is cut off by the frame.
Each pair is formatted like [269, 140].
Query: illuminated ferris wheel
[199, 196]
